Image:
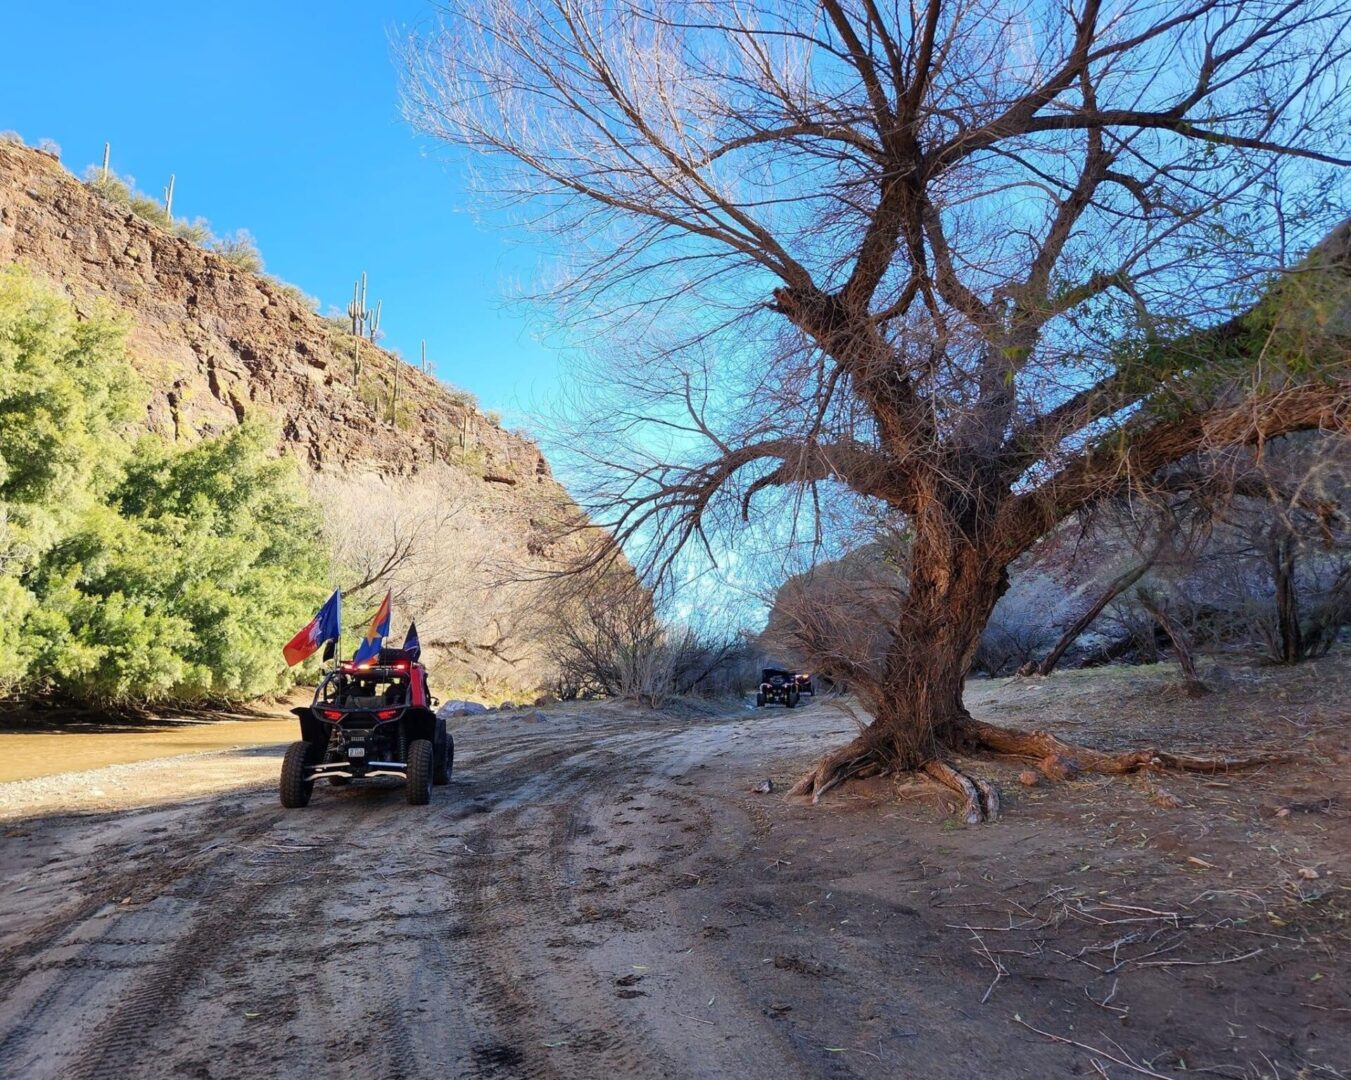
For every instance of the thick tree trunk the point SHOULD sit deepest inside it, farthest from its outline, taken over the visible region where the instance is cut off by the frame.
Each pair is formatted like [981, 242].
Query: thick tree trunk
[919, 721]
[916, 699]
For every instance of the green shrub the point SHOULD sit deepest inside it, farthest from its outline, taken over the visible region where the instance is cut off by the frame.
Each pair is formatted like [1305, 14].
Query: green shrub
[196, 231]
[143, 206]
[131, 570]
[65, 390]
[114, 188]
[239, 249]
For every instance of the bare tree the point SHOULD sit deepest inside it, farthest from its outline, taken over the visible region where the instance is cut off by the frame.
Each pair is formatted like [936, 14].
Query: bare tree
[445, 565]
[611, 639]
[979, 262]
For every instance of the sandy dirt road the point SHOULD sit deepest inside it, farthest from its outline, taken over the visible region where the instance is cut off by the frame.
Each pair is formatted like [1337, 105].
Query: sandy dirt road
[601, 895]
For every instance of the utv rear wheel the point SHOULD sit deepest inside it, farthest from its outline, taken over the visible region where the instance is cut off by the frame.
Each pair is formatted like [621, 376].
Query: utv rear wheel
[296, 786]
[443, 750]
[420, 768]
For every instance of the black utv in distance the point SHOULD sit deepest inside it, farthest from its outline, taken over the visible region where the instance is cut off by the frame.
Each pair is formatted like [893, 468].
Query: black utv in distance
[778, 688]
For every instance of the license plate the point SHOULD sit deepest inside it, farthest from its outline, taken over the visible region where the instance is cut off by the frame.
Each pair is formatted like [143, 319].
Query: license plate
[356, 751]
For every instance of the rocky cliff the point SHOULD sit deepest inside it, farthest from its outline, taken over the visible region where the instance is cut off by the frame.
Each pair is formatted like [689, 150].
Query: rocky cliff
[416, 472]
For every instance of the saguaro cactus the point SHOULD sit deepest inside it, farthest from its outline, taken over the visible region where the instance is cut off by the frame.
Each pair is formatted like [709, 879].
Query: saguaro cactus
[107, 150]
[356, 310]
[169, 199]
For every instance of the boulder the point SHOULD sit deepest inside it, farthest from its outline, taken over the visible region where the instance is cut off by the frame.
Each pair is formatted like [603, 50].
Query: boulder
[460, 708]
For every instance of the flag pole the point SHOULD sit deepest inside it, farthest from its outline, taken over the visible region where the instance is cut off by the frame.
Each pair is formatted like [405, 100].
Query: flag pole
[337, 641]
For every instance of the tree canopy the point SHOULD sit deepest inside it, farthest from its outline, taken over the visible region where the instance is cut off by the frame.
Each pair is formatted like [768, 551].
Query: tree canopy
[133, 570]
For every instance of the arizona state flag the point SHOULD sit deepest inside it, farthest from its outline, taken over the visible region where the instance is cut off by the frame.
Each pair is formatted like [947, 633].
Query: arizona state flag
[369, 649]
[324, 627]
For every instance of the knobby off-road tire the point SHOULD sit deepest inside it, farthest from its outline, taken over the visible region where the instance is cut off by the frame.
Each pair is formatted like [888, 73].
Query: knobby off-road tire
[420, 768]
[790, 700]
[444, 754]
[296, 788]
[759, 701]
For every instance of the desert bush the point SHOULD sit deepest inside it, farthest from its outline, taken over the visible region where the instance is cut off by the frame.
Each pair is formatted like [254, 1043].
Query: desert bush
[239, 249]
[149, 209]
[196, 231]
[114, 188]
[610, 640]
[448, 561]
[832, 618]
[11, 137]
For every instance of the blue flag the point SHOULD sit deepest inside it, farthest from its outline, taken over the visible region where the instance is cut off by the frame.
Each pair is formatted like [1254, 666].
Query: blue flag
[411, 644]
[369, 649]
[324, 627]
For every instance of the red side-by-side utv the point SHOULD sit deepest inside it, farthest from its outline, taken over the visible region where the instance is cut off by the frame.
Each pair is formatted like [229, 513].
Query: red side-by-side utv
[366, 720]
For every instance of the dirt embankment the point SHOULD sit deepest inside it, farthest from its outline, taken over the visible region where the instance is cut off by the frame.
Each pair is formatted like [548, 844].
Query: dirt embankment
[602, 893]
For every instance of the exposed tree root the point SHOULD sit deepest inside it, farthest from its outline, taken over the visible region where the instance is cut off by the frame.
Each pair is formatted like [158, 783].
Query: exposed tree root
[1040, 746]
[858, 759]
[1054, 757]
[981, 797]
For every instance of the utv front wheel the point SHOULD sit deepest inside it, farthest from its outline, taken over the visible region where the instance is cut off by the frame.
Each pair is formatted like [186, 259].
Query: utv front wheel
[759, 701]
[420, 768]
[790, 699]
[443, 751]
[296, 786]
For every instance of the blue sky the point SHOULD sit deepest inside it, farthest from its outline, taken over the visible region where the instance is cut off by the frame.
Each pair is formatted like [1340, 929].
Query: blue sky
[282, 118]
